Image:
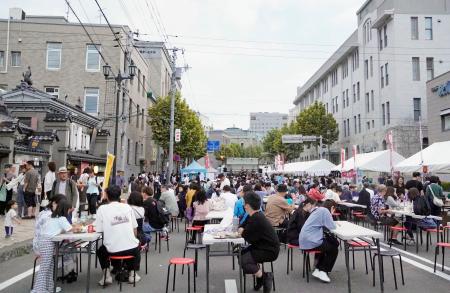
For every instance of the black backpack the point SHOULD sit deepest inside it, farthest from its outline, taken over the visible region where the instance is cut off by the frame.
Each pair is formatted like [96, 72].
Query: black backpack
[163, 213]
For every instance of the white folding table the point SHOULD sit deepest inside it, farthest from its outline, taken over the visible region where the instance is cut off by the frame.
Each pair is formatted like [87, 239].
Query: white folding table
[90, 238]
[350, 206]
[347, 231]
[208, 240]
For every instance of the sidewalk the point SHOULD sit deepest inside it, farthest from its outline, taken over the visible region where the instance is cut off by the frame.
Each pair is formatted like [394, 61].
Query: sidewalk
[21, 241]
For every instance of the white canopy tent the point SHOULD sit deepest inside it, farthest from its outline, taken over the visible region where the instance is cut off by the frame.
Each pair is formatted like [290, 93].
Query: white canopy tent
[316, 167]
[436, 157]
[374, 161]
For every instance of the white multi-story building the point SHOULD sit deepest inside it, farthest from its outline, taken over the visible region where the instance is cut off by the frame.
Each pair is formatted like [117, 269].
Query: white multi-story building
[263, 122]
[376, 81]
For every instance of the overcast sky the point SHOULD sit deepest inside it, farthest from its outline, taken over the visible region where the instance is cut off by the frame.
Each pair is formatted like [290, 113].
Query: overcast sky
[246, 55]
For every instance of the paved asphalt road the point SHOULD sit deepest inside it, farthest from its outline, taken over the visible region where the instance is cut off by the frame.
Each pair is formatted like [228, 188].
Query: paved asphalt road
[419, 276]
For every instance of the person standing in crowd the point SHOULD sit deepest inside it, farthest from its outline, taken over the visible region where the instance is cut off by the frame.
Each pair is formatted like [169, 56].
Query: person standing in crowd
[415, 182]
[31, 182]
[17, 183]
[120, 179]
[186, 179]
[181, 198]
[7, 178]
[92, 191]
[67, 187]
[264, 245]
[118, 223]
[316, 235]
[10, 218]
[169, 199]
[434, 191]
[49, 178]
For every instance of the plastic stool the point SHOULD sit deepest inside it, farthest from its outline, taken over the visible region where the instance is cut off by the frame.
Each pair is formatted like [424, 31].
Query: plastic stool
[180, 261]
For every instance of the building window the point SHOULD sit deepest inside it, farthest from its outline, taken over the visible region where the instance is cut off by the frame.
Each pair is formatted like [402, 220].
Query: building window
[355, 125]
[52, 90]
[332, 103]
[345, 128]
[358, 92]
[136, 153]
[137, 115]
[371, 66]
[359, 123]
[368, 125]
[346, 96]
[385, 35]
[430, 68]
[416, 68]
[334, 77]
[414, 28]
[428, 28]
[337, 104]
[373, 123]
[445, 122]
[143, 119]
[417, 109]
[367, 103]
[382, 76]
[343, 100]
[355, 60]
[388, 112]
[383, 112]
[380, 39]
[139, 80]
[366, 69]
[372, 100]
[348, 127]
[326, 106]
[128, 151]
[143, 85]
[92, 58]
[354, 93]
[16, 58]
[91, 96]
[54, 56]
[2, 58]
[386, 73]
[130, 109]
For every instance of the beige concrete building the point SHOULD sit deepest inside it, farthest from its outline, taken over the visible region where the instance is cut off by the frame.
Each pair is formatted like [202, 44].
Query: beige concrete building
[438, 105]
[66, 63]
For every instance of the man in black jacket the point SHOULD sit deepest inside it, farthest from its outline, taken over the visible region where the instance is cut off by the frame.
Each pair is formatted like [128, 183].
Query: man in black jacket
[264, 244]
[364, 198]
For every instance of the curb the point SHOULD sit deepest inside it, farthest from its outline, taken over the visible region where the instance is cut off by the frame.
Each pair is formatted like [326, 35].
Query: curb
[16, 250]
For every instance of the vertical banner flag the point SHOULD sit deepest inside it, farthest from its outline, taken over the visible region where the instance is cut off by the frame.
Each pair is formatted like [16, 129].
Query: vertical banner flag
[108, 170]
[342, 157]
[391, 149]
[207, 162]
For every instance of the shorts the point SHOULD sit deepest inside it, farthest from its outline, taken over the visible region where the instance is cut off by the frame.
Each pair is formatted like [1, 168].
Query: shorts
[30, 199]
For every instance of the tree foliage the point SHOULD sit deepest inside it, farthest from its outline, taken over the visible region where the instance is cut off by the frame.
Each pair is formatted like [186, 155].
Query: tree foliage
[234, 150]
[315, 120]
[193, 138]
[273, 145]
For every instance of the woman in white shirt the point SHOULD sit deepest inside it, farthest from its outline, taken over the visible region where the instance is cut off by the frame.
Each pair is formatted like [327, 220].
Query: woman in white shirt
[92, 192]
[49, 178]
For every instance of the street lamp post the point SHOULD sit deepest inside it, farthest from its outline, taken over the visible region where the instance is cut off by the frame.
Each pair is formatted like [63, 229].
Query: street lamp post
[118, 79]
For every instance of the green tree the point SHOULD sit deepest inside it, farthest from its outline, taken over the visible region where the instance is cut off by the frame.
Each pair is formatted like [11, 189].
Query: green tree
[234, 150]
[193, 138]
[315, 120]
[273, 144]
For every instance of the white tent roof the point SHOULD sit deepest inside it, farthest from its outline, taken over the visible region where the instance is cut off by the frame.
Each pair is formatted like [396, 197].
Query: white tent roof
[311, 167]
[211, 170]
[374, 161]
[436, 157]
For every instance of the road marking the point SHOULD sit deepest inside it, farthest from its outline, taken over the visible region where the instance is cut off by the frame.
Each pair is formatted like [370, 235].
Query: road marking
[17, 278]
[230, 286]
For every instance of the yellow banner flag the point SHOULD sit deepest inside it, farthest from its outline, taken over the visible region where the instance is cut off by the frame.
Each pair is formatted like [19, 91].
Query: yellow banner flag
[108, 169]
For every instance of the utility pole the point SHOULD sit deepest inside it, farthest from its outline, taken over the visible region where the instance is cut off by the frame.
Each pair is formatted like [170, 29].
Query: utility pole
[173, 89]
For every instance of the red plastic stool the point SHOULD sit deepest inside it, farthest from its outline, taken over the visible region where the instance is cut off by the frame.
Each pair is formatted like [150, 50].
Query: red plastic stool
[444, 245]
[122, 269]
[180, 261]
[358, 245]
[433, 230]
[290, 257]
[190, 232]
[307, 262]
[399, 229]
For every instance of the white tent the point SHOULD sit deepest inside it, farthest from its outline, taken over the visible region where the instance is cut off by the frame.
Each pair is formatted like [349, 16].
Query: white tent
[316, 167]
[374, 161]
[436, 157]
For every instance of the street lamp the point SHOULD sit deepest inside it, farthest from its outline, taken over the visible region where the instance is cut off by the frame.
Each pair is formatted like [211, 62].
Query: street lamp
[118, 79]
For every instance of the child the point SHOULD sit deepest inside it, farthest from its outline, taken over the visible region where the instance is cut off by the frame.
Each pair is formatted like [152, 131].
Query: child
[55, 225]
[11, 217]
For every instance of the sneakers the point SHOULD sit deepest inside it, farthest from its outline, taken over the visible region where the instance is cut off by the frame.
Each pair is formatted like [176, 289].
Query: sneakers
[106, 281]
[395, 241]
[321, 276]
[131, 278]
[267, 282]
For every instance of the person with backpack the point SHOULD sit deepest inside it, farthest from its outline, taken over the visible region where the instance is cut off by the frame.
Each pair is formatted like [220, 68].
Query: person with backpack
[420, 207]
[156, 216]
[435, 196]
[92, 191]
[67, 187]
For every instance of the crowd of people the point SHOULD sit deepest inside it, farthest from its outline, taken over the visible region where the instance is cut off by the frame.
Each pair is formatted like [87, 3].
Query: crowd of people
[270, 210]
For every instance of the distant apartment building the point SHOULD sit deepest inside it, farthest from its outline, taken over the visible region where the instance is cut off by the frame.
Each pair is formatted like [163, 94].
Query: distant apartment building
[263, 122]
[376, 81]
[438, 105]
[66, 64]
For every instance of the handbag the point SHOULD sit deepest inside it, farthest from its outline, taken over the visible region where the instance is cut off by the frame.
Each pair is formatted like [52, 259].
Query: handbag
[436, 200]
[3, 192]
[427, 223]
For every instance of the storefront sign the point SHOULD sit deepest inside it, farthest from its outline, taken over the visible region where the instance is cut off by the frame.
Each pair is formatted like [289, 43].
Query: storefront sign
[34, 143]
[442, 90]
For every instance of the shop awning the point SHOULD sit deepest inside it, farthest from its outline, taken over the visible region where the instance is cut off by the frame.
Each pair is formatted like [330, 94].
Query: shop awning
[82, 157]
